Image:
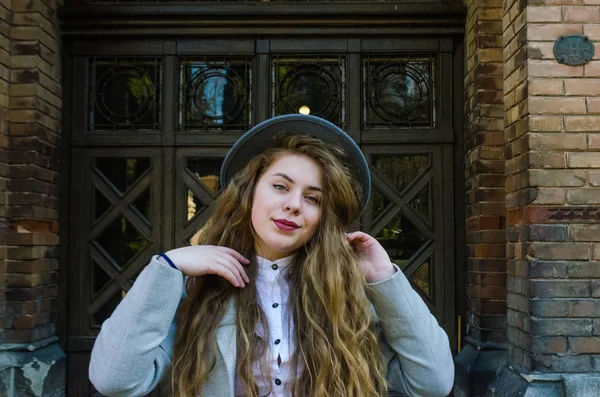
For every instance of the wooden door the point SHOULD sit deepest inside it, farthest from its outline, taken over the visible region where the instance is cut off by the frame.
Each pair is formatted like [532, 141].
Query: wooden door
[152, 120]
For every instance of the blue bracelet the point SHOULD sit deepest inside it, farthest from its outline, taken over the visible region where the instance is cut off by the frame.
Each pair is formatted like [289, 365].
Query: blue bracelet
[163, 255]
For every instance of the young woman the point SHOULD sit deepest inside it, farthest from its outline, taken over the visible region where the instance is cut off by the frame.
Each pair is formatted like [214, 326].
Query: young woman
[278, 300]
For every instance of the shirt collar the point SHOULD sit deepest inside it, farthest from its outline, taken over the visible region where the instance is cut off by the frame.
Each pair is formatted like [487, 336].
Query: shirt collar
[282, 263]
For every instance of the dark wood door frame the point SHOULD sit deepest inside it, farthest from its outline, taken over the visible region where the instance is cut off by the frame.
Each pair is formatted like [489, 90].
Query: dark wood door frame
[171, 31]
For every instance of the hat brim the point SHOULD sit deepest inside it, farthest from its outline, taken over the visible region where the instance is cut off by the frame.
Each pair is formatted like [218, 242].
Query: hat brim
[260, 138]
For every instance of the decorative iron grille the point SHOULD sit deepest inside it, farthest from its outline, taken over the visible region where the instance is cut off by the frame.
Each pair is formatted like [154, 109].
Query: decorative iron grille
[401, 205]
[215, 94]
[310, 85]
[400, 92]
[121, 229]
[124, 94]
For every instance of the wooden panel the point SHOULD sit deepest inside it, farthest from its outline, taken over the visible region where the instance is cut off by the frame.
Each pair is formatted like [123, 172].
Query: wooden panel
[194, 193]
[322, 46]
[216, 47]
[118, 228]
[172, 182]
[118, 47]
[427, 241]
[391, 44]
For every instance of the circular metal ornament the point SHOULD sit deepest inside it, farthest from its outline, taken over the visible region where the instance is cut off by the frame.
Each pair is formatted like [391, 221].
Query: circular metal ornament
[312, 86]
[215, 95]
[399, 92]
[573, 50]
[125, 94]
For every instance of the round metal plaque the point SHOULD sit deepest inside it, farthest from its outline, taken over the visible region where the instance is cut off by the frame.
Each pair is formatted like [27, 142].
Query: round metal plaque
[573, 50]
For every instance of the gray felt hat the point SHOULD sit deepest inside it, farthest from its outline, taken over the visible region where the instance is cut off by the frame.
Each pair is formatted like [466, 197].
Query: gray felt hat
[260, 137]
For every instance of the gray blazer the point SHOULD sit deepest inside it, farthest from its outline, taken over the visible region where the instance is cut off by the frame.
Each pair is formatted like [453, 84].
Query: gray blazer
[133, 350]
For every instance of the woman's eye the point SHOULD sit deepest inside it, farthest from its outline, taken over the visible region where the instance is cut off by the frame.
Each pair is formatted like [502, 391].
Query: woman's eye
[279, 187]
[313, 199]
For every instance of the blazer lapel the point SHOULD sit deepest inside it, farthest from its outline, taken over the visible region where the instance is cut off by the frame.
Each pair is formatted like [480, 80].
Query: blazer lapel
[226, 340]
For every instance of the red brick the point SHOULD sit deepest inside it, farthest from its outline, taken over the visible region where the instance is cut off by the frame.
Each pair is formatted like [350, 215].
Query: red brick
[548, 68]
[592, 69]
[558, 251]
[581, 14]
[584, 344]
[558, 141]
[544, 14]
[551, 31]
[549, 105]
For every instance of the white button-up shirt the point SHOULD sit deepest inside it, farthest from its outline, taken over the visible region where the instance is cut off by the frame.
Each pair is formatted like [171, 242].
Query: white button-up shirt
[273, 296]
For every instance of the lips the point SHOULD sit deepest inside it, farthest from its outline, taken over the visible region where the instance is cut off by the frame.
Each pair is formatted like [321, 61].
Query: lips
[286, 225]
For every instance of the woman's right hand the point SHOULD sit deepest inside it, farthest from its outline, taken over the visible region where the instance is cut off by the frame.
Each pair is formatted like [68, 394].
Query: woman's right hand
[198, 260]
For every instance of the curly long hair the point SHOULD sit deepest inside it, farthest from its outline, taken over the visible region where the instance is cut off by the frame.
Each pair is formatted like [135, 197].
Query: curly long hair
[336, 349]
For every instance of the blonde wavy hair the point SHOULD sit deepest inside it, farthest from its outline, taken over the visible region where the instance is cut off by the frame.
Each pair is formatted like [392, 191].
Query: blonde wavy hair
[336, 348]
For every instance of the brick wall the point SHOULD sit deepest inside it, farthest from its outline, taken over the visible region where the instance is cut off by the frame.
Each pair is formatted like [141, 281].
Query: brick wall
[31, 264]
[484, 350]
[553, 189]
[484, 162]
[30, 119]
[5, 22]
[518, 193]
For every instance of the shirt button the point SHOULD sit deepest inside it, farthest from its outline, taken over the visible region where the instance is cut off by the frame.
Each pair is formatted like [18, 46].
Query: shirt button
[278, 381]
[277, 341]
[275, 305]
[274, 266]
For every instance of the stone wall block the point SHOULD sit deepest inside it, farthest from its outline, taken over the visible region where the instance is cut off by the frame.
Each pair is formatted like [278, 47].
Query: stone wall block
[589, 196]
[581, 14]
[548, 68]
[548, 307]
[584, 233]
[584, 308]
[584, 160]
[552, 344]
[584, 345]
[561, 327]
[595, 286]
[559, 289]
[557, 178]
[541, 141]
[558, 251]
[582, 87]
[592, 69]
[548, 232]
[563, 105]
[546, 123]
[548, 269]
[595, 251]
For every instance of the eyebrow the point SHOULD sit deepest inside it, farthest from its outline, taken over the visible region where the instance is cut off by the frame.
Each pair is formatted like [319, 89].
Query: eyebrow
[290, 180]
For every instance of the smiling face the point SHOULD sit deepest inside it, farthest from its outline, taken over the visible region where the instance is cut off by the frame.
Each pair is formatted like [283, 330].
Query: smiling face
[286, 208]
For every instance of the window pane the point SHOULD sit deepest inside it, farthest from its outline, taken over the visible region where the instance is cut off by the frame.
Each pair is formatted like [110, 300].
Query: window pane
[121, 240]
[215, 94]
[142, 204]
[124, 94]
[315, 85]
[206, 171]
[422, 277]
[421, 202]
[400, 170]
[401, 239]
[122, 172]
[399, 92]
[101, 204]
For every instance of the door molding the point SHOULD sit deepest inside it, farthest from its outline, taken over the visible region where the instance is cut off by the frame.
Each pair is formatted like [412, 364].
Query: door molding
[261, 18]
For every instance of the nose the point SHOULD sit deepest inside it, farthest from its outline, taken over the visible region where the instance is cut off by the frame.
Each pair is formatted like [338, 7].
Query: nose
[292, 204]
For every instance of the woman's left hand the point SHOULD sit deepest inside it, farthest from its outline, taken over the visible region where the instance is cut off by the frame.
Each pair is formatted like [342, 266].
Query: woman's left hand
[374, 260]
